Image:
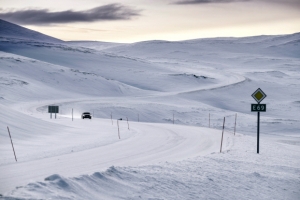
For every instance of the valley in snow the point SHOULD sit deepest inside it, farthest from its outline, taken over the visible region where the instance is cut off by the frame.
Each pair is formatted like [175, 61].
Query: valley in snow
[175, 96]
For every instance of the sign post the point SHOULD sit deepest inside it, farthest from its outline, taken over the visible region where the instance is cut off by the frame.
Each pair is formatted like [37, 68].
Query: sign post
[53, 109]
[258, 95]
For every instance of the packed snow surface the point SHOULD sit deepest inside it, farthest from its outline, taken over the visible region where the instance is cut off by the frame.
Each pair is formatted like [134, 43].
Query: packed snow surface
[157, 108]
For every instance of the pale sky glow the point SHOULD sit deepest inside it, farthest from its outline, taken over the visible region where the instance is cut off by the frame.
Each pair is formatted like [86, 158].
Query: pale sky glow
[139, 20]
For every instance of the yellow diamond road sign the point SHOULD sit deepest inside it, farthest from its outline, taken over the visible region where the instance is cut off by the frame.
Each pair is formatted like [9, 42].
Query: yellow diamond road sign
[259, 95]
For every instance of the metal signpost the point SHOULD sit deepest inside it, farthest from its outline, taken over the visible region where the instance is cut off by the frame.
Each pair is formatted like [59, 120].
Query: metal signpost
[258, 95]
[53, 109]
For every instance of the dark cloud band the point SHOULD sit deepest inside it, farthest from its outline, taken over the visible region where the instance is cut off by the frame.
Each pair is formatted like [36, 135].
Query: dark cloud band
[206, 1]
[44, 16]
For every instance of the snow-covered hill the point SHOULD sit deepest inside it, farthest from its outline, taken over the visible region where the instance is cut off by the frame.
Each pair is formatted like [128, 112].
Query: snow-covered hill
[282, 45]
[153, 84]
[9, 31]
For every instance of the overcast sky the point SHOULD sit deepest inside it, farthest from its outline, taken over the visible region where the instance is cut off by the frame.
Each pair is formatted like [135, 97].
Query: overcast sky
[139, 20]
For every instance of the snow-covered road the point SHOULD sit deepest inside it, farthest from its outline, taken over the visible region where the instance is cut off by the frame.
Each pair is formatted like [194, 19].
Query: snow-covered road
[144, 143]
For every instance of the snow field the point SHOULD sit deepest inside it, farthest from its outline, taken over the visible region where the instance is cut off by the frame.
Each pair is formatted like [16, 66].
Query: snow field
[236, 172]
[85, 159]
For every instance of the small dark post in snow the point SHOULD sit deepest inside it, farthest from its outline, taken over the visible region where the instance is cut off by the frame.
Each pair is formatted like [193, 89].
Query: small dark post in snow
[12, 144]
[235, 123]
[112, 123]
[118, 127]
[55, 115]
[209, 120]
[50, 115]
[222, 135]
[127, 123]
[173, 118]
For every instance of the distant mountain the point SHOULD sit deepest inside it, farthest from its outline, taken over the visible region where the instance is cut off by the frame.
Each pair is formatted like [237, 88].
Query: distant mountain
[272, 45]
[10, 30]
[95, 44]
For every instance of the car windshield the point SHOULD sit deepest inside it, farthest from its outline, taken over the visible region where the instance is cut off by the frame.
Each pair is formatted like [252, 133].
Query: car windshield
[86, 113]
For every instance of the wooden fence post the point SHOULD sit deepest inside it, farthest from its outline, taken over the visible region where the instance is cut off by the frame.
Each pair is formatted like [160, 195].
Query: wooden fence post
[127, 123]
[12, 144]
[118, 129]
[222, 135]
[235, 123]
[112, 122]
[173, 118]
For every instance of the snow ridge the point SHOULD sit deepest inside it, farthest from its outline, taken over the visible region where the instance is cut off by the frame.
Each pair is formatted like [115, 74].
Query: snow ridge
[13, 31]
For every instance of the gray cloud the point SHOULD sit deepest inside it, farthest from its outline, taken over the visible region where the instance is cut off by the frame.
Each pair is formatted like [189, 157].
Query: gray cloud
[207, 1]
[287, 3]
[44, 16]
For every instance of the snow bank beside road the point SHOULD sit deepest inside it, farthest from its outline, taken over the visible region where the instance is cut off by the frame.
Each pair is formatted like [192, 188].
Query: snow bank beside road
[239, 172]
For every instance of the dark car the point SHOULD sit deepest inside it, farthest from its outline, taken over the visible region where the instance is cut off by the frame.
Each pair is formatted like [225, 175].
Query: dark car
[86, 115]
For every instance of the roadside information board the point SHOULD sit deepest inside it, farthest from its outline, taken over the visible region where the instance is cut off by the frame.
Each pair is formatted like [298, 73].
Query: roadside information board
[53, 109]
